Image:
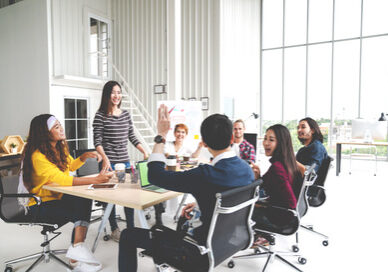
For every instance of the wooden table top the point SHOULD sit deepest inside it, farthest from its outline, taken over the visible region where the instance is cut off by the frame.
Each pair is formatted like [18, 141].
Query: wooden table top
[126, 194]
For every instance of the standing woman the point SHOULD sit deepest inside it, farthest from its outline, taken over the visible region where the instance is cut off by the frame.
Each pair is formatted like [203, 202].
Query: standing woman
[112, 127]
[282, 180]
[46, 160]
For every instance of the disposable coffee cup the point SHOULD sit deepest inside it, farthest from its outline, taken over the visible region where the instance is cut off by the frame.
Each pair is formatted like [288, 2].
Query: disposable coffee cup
[186, 157]
[120, 172]
[171, 163]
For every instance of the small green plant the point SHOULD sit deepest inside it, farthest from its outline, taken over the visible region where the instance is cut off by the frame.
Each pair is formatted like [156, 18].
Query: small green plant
[13, 145]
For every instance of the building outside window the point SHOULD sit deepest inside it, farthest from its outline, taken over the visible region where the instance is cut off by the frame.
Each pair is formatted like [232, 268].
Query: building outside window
[76, 123]
[326, 60]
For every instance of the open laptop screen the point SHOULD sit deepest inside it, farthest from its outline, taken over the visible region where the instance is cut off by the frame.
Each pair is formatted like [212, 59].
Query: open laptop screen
[143, 172]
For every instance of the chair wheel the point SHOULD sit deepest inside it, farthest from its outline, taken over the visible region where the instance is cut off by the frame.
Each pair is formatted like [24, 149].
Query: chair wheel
[302, 260]
[325, 242]
[257, 250]
[295, 248]
[231, 264]
[148, 217]
[106, 238]
[8, 269]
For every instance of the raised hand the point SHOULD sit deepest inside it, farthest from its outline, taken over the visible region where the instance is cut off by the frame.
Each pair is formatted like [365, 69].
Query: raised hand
[163, 120]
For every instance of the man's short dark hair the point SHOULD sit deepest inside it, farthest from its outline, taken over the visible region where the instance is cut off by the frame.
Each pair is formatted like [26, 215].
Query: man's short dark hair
[216, 131]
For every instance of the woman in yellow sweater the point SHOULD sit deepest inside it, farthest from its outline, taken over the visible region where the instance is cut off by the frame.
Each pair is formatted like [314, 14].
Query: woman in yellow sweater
[46, 160]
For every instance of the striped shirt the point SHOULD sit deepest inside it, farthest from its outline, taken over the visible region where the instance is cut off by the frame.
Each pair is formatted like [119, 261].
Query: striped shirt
[112, 132]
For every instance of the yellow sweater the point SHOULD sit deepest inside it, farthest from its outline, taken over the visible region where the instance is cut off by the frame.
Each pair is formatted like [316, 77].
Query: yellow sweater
[45, 172]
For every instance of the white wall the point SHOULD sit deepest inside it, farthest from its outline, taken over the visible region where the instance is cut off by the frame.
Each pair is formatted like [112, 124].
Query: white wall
[140, 47]
[69, 33]
[240, 57]
[201, 51]
[24, 84]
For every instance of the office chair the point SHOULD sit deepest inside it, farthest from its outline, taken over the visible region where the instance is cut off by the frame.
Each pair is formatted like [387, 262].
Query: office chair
[230, 231]
[292, 227]
[13, 212]
[316, 195]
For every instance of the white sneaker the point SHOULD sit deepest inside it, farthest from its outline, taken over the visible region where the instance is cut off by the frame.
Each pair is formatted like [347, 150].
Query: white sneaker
[86, 262]
[115, 235]
[84, 267]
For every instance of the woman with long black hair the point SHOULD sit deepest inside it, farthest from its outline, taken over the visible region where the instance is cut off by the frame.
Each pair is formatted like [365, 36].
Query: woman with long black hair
[46, 160]
[112, 128]
[282, 180]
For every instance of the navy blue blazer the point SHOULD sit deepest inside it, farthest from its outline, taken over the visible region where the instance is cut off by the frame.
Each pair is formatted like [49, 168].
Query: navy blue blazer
[203, 183]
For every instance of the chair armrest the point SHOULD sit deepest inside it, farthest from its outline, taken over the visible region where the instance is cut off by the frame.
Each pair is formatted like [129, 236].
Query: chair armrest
[36, 198]
[202, 249]
[265, 205]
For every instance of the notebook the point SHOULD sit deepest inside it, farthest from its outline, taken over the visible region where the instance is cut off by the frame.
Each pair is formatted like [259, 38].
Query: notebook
[143, 173]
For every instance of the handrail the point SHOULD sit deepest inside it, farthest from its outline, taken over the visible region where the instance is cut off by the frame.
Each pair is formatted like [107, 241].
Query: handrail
[130, 92]
[133, 95]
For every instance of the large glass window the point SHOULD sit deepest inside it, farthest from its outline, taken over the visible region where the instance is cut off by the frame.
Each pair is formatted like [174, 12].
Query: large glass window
[326, 59]
[98, 47]
[76, 123]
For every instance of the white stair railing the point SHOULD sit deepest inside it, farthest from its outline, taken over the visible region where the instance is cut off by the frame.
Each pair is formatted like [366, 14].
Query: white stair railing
[144, 124]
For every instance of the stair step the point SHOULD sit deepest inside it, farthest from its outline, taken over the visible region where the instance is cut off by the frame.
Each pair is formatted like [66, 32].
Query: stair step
[149, 136]
[139, 122]
[144, 129]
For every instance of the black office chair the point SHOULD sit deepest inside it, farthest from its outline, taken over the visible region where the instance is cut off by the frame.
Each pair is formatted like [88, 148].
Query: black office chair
[230, 231]
[13, 212]
[316, 195]
[292, 227]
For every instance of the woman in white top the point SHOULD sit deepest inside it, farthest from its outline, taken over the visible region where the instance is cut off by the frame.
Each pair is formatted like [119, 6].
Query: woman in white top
[178, 147]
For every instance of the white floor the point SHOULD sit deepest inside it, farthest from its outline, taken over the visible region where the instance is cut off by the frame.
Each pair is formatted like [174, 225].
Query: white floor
[354, 217]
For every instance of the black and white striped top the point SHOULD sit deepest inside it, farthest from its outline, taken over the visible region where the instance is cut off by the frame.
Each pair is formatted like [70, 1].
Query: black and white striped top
[112, 133]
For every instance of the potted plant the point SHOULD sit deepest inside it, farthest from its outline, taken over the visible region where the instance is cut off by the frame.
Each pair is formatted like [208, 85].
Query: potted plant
[13, 148]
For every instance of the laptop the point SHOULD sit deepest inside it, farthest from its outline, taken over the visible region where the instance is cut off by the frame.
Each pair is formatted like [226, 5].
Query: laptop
[144, 183]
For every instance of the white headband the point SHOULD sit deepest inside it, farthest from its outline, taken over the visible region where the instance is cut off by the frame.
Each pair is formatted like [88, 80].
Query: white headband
[51, 122]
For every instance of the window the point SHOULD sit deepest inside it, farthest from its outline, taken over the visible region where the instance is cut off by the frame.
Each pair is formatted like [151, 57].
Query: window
[324, 59]
[98, 50]
[76, 123]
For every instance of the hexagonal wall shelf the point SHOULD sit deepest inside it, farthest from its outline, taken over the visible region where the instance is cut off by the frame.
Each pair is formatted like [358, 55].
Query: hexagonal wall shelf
[9, 140]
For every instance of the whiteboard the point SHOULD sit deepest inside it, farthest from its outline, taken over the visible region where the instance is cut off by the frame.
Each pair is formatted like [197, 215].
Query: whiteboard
[185, 112]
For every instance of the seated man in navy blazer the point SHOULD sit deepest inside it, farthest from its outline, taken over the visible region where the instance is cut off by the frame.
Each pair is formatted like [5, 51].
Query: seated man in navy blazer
[225, 172]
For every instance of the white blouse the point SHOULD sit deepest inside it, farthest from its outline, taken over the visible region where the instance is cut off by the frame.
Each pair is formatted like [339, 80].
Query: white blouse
[169, 148]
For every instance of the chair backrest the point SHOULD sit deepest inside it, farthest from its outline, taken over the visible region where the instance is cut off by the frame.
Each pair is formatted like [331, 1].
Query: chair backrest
[10, 209]
[323, 171]
[90, 167]
[316, 194]
[309, 179]
[252, 139]
[230, 228]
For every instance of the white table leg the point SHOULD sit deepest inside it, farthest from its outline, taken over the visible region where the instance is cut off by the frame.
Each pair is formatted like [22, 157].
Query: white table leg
[142, 219]
[107, 212]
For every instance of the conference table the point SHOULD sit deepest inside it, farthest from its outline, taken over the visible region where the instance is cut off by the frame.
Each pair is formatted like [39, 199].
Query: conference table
[126, 194]
[339, 150]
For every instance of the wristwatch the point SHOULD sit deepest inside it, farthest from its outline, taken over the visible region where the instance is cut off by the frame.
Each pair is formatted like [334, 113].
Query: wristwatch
[159, 139]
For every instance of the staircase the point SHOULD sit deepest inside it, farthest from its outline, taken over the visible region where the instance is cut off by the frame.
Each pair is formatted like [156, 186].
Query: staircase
[144, 124]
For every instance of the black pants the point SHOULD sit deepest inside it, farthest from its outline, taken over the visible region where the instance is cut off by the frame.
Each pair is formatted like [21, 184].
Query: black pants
[112, 217]
[130, 240]
[67, 209]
